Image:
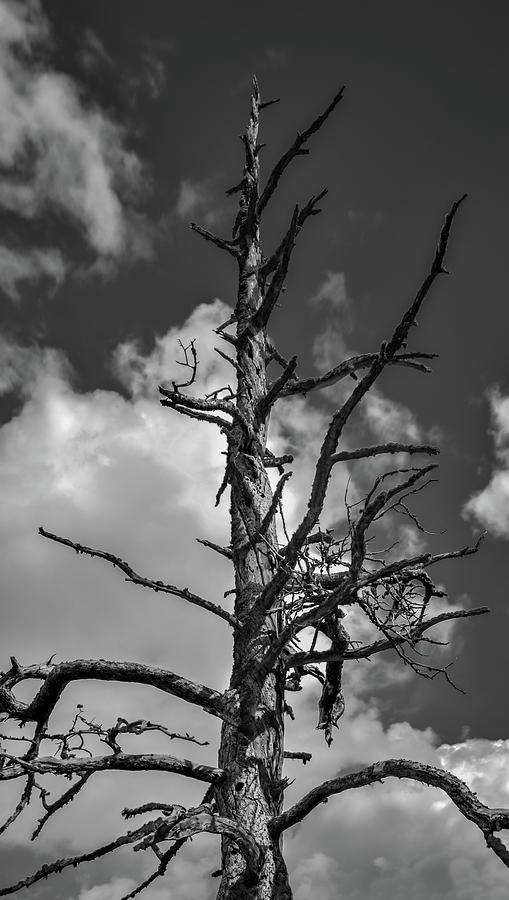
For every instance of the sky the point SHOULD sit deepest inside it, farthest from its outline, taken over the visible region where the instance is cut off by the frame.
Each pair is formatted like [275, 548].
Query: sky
[119, 125]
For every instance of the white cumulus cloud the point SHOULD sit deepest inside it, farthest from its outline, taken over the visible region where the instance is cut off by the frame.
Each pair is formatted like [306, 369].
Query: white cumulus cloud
[119, 472]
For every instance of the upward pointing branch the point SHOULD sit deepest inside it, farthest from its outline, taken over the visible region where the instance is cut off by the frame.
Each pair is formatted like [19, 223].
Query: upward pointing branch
[339, 420]
[295, 150]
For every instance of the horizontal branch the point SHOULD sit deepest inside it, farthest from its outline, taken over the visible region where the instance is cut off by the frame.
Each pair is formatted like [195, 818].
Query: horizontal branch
[422, 559]
[348, 368]
[201, 416]
[119, 762]
[412, 637]
[201, 408]
[134, 578]
[378, 449]
[277, 461]
[304, 756]
[415, 633]
[333, 580]
[487, 819]
[57, 676]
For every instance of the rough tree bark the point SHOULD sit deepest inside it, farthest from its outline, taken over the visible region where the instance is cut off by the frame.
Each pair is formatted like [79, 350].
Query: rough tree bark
[282, 587]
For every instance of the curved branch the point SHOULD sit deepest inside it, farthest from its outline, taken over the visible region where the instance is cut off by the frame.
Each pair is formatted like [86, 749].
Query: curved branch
[121, 762]
[134, 578]
[57, 676]
[487, 819]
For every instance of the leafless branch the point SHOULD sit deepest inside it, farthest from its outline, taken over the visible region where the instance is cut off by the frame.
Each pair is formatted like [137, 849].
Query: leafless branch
[487, 819]
[223, 551]
[275, 389]
[61, 801]
[60, 864]
[22, 803]
[310, 209]
[121, 762]
[422, 559]
[349, 367]
[303, 756]
[223, 244]
[264, 526]
[184, 403]
[271, 461]
[377, 449]
[56, 677]
[134, 578]
[193, 365]
[340, 418]
[272, 293]
[295, 150]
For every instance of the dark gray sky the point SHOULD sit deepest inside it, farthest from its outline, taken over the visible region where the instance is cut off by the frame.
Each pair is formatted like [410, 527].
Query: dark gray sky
[119, 125]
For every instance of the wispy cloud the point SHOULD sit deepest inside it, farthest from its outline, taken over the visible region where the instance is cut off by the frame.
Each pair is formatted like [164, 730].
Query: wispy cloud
[92, 54]
[19, 268]
[332, 290]
[59, 152]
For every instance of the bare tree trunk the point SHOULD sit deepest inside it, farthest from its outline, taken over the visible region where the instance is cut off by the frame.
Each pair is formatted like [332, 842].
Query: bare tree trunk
[252, 742]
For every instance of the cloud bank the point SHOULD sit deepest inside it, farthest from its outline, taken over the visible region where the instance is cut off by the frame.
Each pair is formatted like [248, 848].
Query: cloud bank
[116, 470]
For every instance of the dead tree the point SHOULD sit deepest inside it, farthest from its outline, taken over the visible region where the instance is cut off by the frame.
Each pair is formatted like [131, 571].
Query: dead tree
[286, 588]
